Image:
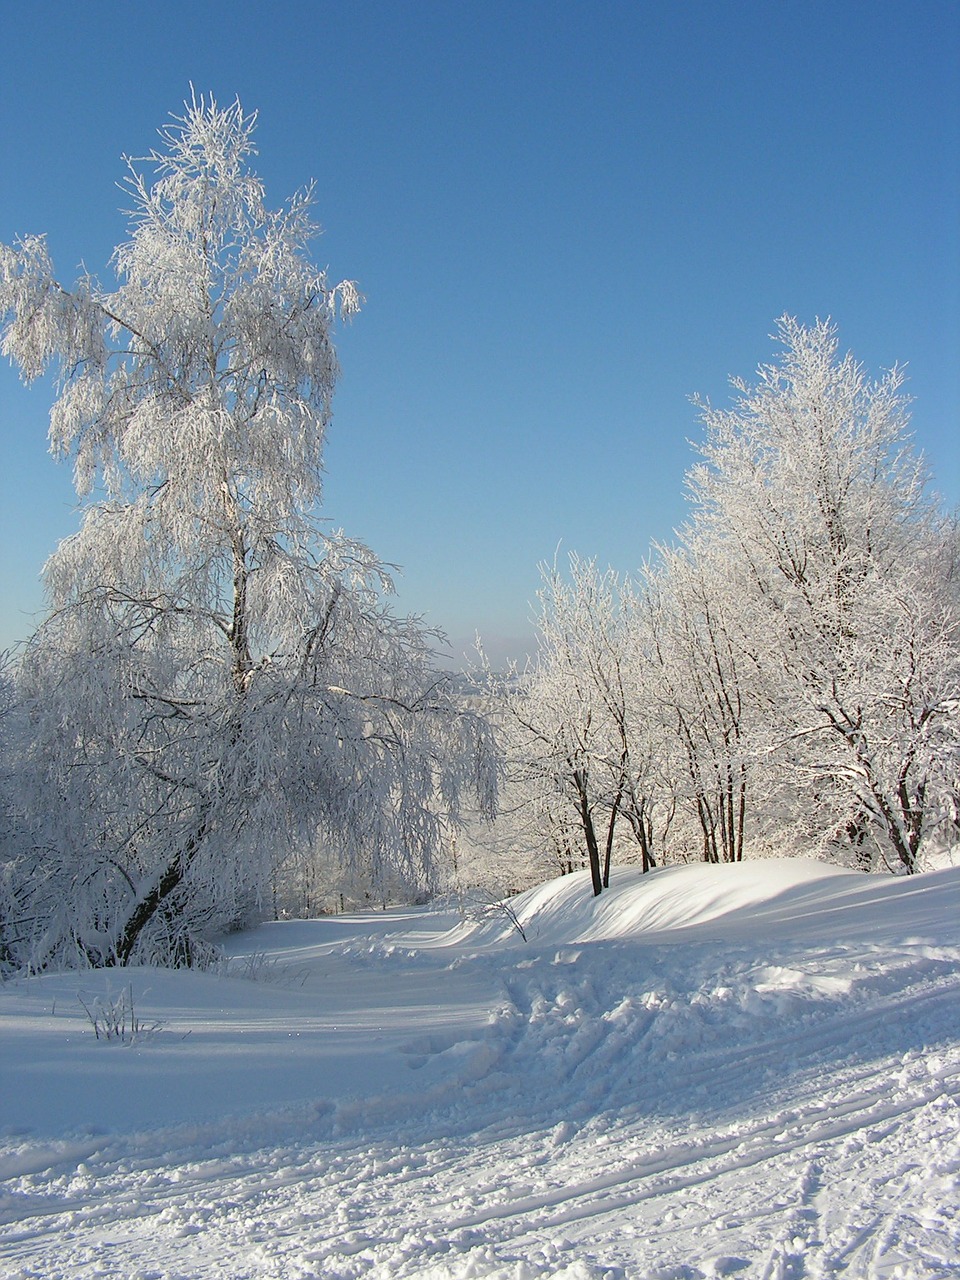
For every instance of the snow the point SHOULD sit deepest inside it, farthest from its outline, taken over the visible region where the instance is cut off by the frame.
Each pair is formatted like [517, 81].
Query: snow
[748, 1071]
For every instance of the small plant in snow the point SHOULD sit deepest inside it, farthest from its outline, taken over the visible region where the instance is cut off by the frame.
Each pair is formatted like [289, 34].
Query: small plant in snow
[489, 909]
[114, 1018]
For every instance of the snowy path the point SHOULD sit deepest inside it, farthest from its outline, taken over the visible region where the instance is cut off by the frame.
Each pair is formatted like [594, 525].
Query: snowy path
[763, 1101]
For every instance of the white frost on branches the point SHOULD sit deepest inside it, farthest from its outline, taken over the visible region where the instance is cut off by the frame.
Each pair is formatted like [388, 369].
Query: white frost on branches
[788, 676]
[219, 681]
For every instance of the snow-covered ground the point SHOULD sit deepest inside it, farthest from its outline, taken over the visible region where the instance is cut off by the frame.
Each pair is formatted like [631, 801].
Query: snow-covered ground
[748, 1071]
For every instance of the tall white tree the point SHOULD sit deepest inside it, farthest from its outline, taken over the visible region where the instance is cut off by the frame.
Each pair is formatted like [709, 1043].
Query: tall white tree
[219, 679]
[844, 576]
[11, 830]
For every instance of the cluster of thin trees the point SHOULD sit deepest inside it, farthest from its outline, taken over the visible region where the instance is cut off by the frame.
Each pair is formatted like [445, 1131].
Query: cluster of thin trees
[786, 677]
[220, 705]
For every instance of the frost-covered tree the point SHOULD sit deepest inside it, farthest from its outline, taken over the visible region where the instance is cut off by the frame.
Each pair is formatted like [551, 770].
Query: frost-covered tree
[705, 694]
[12, 841]
[219, 680]
[578, 736]
[841, 576]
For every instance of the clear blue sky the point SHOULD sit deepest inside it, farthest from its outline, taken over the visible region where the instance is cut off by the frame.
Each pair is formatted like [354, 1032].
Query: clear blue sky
[566, 218]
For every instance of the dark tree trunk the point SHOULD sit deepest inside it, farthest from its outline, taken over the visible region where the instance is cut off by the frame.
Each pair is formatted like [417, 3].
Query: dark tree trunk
[589, 833]
[147, 908]
[608, 849]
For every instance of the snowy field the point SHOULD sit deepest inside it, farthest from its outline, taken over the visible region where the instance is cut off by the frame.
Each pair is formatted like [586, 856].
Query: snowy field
[748, 1071]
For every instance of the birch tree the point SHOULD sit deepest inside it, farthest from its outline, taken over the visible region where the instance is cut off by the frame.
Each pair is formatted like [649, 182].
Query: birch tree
[219, 677]
[787, 676]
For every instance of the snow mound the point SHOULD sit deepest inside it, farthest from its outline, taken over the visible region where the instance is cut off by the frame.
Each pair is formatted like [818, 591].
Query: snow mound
[774, 896]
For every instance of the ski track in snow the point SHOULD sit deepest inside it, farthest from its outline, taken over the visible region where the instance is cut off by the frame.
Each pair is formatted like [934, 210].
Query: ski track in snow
[684, 1109]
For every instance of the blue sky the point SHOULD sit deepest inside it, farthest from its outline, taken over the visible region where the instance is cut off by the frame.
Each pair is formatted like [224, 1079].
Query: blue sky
[566, 219]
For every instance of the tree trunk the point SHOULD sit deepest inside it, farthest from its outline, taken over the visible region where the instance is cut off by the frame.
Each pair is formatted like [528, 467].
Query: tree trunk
[147, 907]
[589, 833]
[608, 849]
